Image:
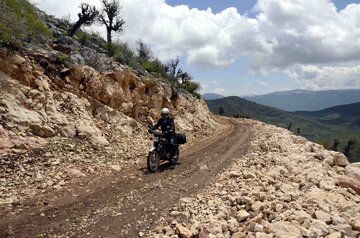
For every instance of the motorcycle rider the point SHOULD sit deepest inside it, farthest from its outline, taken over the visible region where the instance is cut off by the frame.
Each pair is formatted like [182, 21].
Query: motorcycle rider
[166, 122]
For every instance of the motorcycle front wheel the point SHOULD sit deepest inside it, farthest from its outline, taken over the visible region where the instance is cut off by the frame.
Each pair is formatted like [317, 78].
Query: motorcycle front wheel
[153, 161]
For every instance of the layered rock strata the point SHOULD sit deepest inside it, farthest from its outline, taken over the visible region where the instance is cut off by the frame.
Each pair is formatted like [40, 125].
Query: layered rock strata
[57, 119]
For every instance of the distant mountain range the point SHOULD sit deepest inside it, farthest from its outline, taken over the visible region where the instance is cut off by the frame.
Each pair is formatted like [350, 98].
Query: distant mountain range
[348, 115]
[305, 100]
[322, 127]
[239, 107]
[211, 96]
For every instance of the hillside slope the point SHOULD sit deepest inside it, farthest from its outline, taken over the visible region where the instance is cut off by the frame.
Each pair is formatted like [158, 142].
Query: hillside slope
[239, 107]
[305, 100]
[54, 128]
[348, 115]
[211, 96]
[310, 128]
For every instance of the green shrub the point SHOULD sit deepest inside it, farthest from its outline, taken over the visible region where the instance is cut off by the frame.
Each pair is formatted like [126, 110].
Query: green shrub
[114, 49]
[61, 58]
[19, 22]
[155, 68]
[98, 40]
[91, 39]
[84, 38]
[124, 55]
[192, 87]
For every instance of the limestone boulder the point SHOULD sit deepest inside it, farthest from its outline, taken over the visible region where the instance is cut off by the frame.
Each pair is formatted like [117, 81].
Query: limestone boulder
[183, 232]
[301, 216]
[284, 229]
[263, 235]
[10, 140]
[5, 141]
[355, 222]
[353, 171]
[356, 165]
[44, 130]
[323, 216]
[238, 235]
[345, 229]
[17, 114]
[336, 234]
[349, 182]
[290, 189]
[327, 185]
[339, 159]
[318, 228]
[68, 131]
[329, 161]
[85, 130]
[76, 172]
[17, 66]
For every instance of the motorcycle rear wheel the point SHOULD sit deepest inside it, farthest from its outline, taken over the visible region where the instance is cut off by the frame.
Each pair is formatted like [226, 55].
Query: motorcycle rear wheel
[153, 161]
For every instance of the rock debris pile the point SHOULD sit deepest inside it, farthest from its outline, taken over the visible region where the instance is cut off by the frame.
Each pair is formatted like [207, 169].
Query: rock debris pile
[64, 122]
[284, 187]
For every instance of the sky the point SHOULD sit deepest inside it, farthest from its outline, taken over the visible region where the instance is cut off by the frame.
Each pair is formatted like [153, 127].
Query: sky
[245, 47]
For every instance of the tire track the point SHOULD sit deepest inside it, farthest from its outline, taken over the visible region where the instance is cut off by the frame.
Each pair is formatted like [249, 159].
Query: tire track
[122, 206]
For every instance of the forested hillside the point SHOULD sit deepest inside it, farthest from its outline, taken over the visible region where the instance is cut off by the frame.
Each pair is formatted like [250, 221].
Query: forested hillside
[347, 115]
[331, 136]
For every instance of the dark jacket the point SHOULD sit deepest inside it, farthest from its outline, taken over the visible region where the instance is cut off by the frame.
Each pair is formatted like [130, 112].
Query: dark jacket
[167, 125]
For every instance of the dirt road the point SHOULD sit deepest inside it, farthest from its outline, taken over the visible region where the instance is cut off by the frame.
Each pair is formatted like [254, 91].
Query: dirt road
[131, 201]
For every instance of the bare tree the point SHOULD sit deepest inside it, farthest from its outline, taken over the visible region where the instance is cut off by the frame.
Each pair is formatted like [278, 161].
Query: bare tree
[87, 16]
[144, 51]
[221, 110]
[349, 146]
[184, 77]
[176, 73]
[289, 126]
[172, 68]
[335, 145]
[110, 17]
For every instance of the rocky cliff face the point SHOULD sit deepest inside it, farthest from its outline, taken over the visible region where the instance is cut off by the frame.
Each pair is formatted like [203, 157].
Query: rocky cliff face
[58, 121]
[284, 187]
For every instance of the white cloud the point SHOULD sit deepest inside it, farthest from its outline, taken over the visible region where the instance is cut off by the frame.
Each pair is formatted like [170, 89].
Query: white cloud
[307, 31]
[262, 83]
[204, 38]
[218, 90]
[326, 77]
[63, 8]
[212, 87]
[204, 87]
[284, 33]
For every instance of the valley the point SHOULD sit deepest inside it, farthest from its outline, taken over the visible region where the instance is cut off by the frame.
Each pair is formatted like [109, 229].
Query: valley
[307, 124]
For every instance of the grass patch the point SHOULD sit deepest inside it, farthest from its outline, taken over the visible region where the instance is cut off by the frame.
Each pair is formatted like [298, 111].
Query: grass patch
[19, 22]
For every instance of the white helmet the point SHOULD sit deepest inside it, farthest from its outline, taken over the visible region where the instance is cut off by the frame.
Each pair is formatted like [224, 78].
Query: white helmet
[165, 112]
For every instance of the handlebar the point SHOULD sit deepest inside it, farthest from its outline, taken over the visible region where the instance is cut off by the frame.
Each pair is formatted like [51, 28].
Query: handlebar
[155, 133]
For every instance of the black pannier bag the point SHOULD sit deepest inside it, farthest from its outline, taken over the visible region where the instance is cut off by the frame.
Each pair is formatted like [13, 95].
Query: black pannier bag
[180, 138]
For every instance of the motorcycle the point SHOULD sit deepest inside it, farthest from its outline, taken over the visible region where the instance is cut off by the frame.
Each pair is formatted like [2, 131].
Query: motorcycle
[163, 150]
